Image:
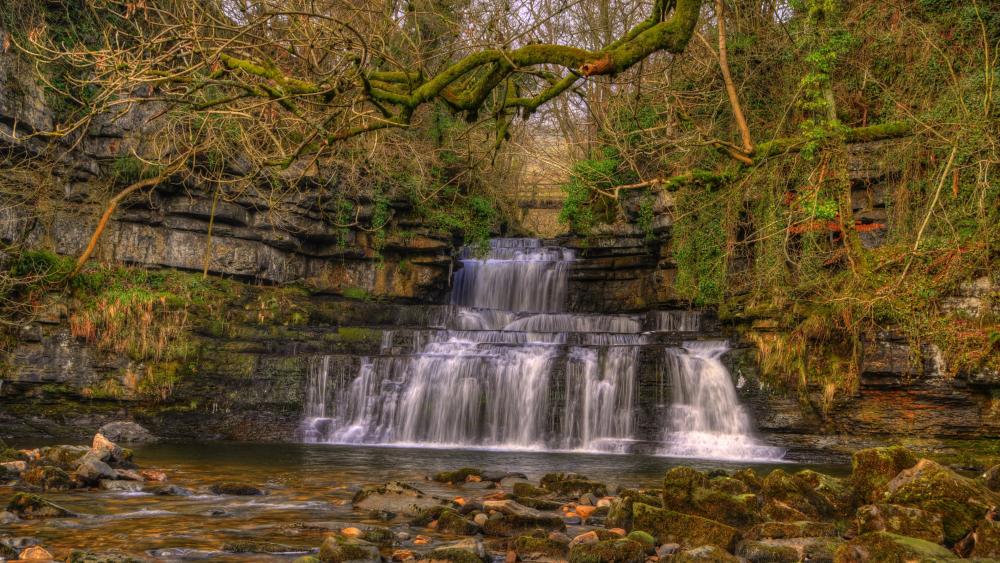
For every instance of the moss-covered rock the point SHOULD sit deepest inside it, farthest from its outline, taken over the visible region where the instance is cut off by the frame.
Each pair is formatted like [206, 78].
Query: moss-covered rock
[687, 530]
[235, 489]
[428, 515]
[619, 550]
[528, 490]
[767, 551]
[835, 492]
[80, 556]
[645, 538]
[336, 549]
[705, 553]
[879, 547]
[750, 478]
[873, 468]
[901, 520]
[7, 552]
[378, 536]
[991, 478]
[787, 530]
[509, 525]
[395, 497]
[452, 555]
[253, 546]
[797, 493]
[960, 501]
[983, 542]
[679, 485]
[451, 522]
[33, 507]
[573, 485]
[48, 478]
[620, 511]
[726, 484]
[533, 548]
[64, 457]
[457, 476]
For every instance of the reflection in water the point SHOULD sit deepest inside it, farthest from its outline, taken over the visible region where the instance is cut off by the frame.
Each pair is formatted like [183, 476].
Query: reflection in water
[310, 488]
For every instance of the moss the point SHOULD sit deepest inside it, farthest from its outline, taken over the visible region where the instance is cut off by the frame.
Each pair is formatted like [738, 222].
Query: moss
[609, 551]
[528, 490]
[253, 546]
[705, 554]
[789, 530]
[453, 555]
[31, 507]
[572, 484]
[763, 551]
[356, 293]
[457, 476]
[539, 503]
[510, 525]
[355, 334]
[884, 546]
[902, 520]
[339, 550]
[796, 493]
[379, 536]
[642, 537]
[687, 530]
[428, 515]
[451, 522]
[873, 468]
[529, 548]
[620, 512]
[48, 478]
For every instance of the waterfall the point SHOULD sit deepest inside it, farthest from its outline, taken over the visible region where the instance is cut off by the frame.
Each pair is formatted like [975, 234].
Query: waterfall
[706, 418]
[504, 366]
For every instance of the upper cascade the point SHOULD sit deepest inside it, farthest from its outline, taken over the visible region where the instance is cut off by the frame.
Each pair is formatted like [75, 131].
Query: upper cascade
[517, 274]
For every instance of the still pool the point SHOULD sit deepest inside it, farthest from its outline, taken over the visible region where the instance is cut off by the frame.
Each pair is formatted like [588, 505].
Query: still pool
[309, 487]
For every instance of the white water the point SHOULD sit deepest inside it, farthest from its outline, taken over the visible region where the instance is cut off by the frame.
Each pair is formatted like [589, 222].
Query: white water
[508, 369]
[706, 417]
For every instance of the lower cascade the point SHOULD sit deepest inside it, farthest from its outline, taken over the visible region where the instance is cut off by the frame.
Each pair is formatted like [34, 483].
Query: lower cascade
[530, 376]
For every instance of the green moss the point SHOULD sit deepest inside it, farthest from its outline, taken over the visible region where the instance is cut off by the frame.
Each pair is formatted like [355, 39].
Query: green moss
[457, 476]
[884, 546]
[539, 503]
[873, 468]
[572, 484]
[528, 548]
[528, 490]
[451, 522]
[253, 546]
[356, 293]
[336, 549]
[609, 551]
[453, 555]
[31, 507]
[510, 525]
[687, 530]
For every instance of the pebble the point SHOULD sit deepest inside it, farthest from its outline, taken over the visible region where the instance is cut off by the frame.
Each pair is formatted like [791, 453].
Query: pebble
[480, 519]
[36, 553]
[460, 501]
[618, 531]
[667, 549]
[403, 555]
[604, 502]
[351, 532]
[586, 511]
[421, 540]
[584, 538]
[153, 475]
[473, 479]
[402, 536]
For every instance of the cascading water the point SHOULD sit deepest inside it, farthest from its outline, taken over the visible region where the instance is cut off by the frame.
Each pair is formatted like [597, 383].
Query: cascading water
[508, 368]
[706, 418]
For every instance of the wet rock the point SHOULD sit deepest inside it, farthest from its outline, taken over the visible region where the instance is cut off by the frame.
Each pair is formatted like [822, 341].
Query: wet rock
[529, 490]
[7, 517]
[539, 503]
[983, 542]
[235, 489]
[499, 476]
[129, 475]
[91, 470]
[428, 515]
[960, 501]
[620, 511]
[586, 537]
[834, 492]
[706, 553]
[480, 519]
[667, 549]
[106, 450]
[168, 490]
[451, 522]
[379, 536]
[785, 530]
[63, 457]
[79, 556]
[619, 550]
[515, 519]
[153, 475]
[126, 432]
[572, 485]
[901, 520]
[539, 549]
[885, 546]
[48, 478]
[468, 550]
[991, 478]
[767, 551]
[337, 549]
[668, 526]
[729, 485]
[797, 493]
[7, 552]
[458, 476]
[121, 485]
[36, 553]
[11, 470]
[873, 468]
[34, 507]
[253, 546]
[680, 484]
[395, 497]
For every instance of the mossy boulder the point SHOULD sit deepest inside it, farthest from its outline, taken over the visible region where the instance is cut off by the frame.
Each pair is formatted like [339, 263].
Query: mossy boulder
[679, 485]
[64, 457]
[7, 552]
[873, 468]
[885, 547]
[767, 551]
[929, 486]
[235, 489]
[645, 538]
[619, 550]
[452, 555]
[539, 503]
[901, 520]
[835, 492]
[378, 536]
[533, 548]
[991, 478]
[726, 484]
[48, 478]
[749, 478]
[80, 556]
[253, 546]
[687, 490]
[458, 476]
[573, 485]
[687, 530]
[983, 542]
[620, 511]
[34, 507]
[705, 554]
[396, 497]
[528, 490]
[336, 549]
[509, 525]
[788, 530]
[451, 522]
[797, 493]
[428, 515]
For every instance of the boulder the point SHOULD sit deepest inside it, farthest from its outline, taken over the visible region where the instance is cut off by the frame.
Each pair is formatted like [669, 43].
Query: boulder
[529, 490]
[397, 497]
[983, 542]
[687, 530]
[818, 549]
[469, 550]
[458, 476]
[126, 432]
[48, 478]
[620, 511]
[91, 470]
[873, 468]
[619, 550]
[901, 520]
[686, 490]
[451, 522]
[253, 546]
[530, 548]
[121, 485]
[797, 493]
[235, 489]
[336, 549]
[705, 553]
[878, 547]
[64, 457]
[516, 519]
[835, 492]
[34, 507]
[961, 502]
[35, 553]
[7, 552]
[991, 478]
[787, 530]
[106, 450]
[572, 485]
[163, 490]
[379, 536]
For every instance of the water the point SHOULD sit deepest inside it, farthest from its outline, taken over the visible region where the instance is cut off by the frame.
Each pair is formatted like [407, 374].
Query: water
[509, 368]
[309, 491]
[706, 418]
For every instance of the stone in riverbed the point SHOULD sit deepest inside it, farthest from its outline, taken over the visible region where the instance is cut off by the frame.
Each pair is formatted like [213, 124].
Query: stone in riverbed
[529, 490]
[163, 490]
[687, 530]
[790, 550]
[7, 552]
[707, 554]
[235, 489]
[253, 546]
[796, 492]
[515, 519]
[127, 432]
[48, 478]
[873, 468]
[620, 511]
[64, 457]
[619, 550]
[33, 507]
[458, 476]
[787, 530]
[902, 520]
[91, 470]
[572, 485]
[877, 547]
[451, 522]
[35, 553]
[469, 550]
[121, 485]
[337, 549]
[983, 542]
[106, 450]
[530, 548]
[79, 556]
[961, 502]
[396, 497]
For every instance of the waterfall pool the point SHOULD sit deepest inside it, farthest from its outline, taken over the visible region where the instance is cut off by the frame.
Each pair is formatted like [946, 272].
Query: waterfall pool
[309, 487]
